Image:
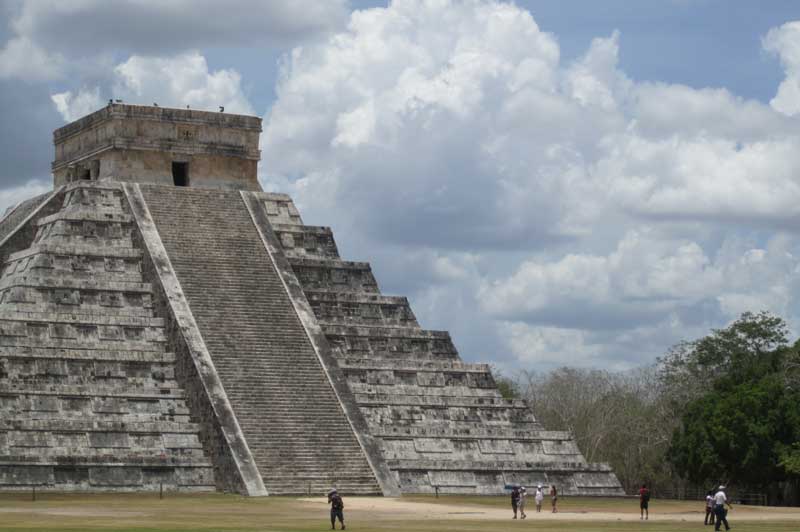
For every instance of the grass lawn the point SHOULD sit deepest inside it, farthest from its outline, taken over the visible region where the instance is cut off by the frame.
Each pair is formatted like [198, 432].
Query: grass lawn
[207, 512]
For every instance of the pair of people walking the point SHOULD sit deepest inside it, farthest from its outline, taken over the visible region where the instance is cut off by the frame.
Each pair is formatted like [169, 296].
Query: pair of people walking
[519, 495]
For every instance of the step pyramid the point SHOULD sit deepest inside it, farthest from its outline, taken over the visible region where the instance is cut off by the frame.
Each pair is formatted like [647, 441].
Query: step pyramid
[88, 394]
[164, 322]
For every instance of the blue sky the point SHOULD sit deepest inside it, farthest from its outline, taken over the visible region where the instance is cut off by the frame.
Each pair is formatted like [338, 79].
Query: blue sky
[555, 182]
[701, 43]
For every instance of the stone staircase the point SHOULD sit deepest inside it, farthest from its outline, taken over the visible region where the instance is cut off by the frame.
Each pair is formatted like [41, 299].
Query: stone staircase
[441, 423]
[292, 421]
[88, 398]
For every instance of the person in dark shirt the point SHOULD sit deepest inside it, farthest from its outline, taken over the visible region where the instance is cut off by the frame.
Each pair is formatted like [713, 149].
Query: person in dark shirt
[337, 508]
[515, 500]
[554, 498]
[644, 503]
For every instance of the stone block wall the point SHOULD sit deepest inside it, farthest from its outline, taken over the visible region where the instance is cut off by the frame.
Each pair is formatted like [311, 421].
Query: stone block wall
[439, 422]
[87, 389]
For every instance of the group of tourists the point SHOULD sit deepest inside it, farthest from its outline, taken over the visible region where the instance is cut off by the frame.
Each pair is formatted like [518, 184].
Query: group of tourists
[520, 493]
[716, 513]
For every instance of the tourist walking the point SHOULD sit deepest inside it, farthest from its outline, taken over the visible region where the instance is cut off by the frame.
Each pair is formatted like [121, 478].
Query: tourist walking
[709, 520]
[554, 499]
[644, 503]
[337, 508]
[720, 500]
[515, 500]
[539, 497]
[523, 494]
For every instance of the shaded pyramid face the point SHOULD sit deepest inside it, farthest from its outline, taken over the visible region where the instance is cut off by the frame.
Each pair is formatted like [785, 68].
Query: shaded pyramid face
[88, 398]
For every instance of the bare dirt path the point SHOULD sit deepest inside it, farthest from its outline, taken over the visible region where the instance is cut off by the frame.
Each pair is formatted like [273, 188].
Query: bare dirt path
[404, 509]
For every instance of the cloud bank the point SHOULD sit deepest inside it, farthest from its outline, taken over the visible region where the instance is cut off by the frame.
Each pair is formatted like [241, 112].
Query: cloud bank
[48, 35]
[545, 212]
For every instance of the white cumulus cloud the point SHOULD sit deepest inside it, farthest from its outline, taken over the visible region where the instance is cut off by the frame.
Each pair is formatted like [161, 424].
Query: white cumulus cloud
[49, 34]
[785, 41]
[603, 216]
[175, 81]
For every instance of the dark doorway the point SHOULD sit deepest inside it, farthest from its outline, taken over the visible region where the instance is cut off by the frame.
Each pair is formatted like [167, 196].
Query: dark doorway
[180, 174]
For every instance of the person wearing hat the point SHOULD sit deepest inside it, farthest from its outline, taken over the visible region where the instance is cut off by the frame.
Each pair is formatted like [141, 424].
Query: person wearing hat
[337, 508]
[720, 500]
[523, 493]
[539, 498]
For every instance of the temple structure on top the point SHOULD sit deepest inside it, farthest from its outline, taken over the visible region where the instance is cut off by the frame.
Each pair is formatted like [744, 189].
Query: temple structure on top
[165, 322]
[161, 146]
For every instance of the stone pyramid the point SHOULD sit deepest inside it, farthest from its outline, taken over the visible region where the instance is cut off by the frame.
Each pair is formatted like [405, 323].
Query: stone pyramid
[164, 322]
[88, 394]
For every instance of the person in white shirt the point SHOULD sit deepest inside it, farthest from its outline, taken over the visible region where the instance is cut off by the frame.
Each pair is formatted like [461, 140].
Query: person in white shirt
[720, 500]
[523, 494]
[539, 498]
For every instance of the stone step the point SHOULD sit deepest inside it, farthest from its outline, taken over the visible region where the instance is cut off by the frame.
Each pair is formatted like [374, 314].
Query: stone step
[85, 309]
[399, 364]
[81, 278]
[439, 430]
[259, 347]
[87, 213]
[106, 475]
[496, 465]
[123, 242]
[162, 411]
[49, 248]
[43, 280]
[466, 400]
[97, 318]
[74, 299]
[304, 241]
[92, 355]
[370, 391]
[280, 208]
[331, 274]
[424, 379]
[15, 215]
[94, 390]
[78, 343]
[85, 425]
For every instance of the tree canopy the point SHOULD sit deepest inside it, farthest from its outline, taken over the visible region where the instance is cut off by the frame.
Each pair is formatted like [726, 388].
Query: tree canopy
[740, 420]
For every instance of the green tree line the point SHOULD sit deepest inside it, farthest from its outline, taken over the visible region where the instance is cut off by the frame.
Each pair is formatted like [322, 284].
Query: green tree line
[721, 409]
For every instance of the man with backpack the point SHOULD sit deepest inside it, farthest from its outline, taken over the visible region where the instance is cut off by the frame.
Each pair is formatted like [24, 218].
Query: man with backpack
[644, 503]
[337, 508]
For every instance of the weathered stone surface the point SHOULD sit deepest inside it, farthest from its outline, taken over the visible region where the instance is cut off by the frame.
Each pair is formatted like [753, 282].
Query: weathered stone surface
[141, 143]
[259, 348]
[456, 431]
[86, 378]
[204, 337]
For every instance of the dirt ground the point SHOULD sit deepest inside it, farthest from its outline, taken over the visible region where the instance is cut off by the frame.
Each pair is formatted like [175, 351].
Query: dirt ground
[142, 512]
[578, 509]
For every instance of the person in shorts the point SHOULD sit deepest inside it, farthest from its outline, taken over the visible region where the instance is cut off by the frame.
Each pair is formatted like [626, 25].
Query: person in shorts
[539, 497]
[554, 498]
[644, 503]
[523, 494]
